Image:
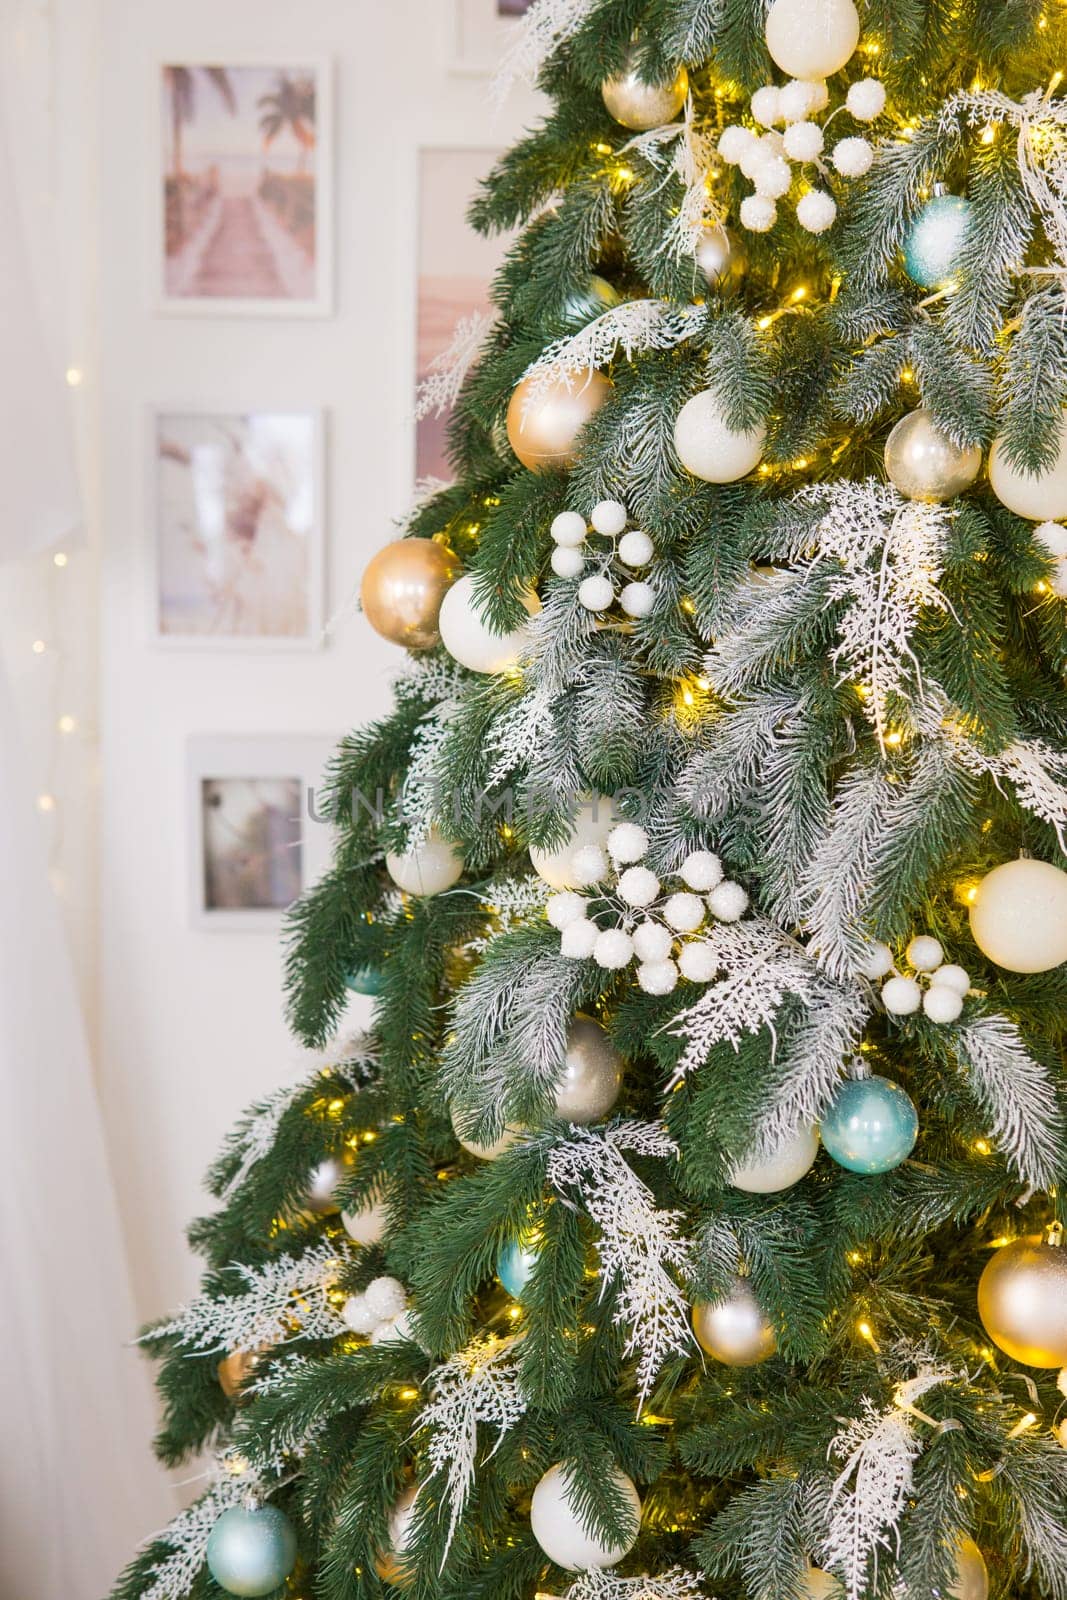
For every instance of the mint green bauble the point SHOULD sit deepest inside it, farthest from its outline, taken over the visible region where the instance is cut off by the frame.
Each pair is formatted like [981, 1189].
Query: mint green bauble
[251, 1552]
[591, 301]
[365, 980]
[935, 239]
[871, 1126]
[514, 1265]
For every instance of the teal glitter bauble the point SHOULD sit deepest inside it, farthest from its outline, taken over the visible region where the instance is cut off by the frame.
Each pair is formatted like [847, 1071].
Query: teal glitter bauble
[365, 980]
[871, 1127]
[592, 301]
[514, 1265]
[935, 240]
[251, 1552]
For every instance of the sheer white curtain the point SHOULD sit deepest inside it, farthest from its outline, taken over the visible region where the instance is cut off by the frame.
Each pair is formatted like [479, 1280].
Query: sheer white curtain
[76, 1488]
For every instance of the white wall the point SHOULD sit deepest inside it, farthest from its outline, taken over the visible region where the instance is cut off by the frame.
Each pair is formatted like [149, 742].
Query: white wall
[191, 1022]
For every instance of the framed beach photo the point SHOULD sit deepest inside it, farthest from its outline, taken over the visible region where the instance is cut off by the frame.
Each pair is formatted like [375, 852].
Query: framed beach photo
[255, 838]
[236, 529]
[481, 31]
[243, 217]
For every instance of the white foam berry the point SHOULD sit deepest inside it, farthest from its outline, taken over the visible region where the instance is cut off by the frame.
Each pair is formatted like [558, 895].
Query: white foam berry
[1058, 580]
[757, 213]
[728, 902]
[657, 977]
[564, 908]
[387, 1332]
[652, 941]
[924, 953]
[589, 865]
[773, 178]
[637, 599]
[877, 961]
[765, 105]
[942, 1004]
[387, 1297]
[577, 940]
[697, 961]
[638, 886]
[755, 157]
[733, 142]
[567, 563]
[595, 593]
[901, 997]
[803, 141]
[569, 529]
[853, 157]
[684, 912]
[816, 211]
[951, 976]
[613, 949]
[866, 99]
[627, 842]
[636, 548]
[357, 1315]
[608, 517]
[702, 871]
[1053, 535]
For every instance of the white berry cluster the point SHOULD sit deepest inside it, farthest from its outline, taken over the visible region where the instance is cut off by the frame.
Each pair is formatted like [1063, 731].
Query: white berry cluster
[766, 159]
[938, 988]
[628, 552]
[643, 921]
[380, 1313]
[1053, 536]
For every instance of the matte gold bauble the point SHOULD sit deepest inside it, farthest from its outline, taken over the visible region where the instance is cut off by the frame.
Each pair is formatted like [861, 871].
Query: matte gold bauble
[972, 1575]
[390, 1564]
[543, 432]
[402, 590]
[722, 257]
[641, 106]
[735, 1331]
[1022, 1301]
[924, 464]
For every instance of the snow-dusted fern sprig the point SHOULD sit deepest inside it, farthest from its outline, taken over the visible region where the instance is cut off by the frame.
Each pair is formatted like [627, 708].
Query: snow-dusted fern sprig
[547, 25]
[439, 391]
[673, 1585]
[285, 1299]
[686, 151]
[1017, 1095]
[1032, 768]
[641, 1248]
[186, 1537]
[632, 327]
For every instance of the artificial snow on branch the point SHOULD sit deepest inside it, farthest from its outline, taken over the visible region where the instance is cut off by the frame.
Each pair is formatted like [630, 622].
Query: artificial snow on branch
[639, 1247]
[439, 392]
[685, 151]
[673, 1585]
[1017, 1095]
[1030, 766]
[546, 25]
[633, 327]
[286, 1299]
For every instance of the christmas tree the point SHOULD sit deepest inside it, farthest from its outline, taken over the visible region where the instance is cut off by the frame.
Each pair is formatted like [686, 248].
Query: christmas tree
[689, 1221]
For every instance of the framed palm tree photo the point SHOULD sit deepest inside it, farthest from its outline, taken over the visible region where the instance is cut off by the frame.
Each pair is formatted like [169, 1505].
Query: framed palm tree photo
[243, 213]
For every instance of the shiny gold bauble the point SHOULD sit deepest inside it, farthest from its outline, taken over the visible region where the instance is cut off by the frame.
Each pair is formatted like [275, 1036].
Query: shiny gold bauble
[402, 590]
[722, 257]
[543, 432]
[972, 1575]
[234, 1370]
[641, 106]
[735, 1331]
[1022, 1301]
[390, 1564]
[924, 464]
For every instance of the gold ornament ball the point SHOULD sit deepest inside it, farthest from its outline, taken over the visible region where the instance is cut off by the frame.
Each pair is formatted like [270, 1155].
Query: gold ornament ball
[972, 1575]
[924, 464]
[1022, 1301]
[1019, 916]
[542, 432]
[735, 1331]
[641, 106]
[402, 590]
[390, 1564]
[820, 1585]
[234, 1370]
[591, 1078]
[722, 257]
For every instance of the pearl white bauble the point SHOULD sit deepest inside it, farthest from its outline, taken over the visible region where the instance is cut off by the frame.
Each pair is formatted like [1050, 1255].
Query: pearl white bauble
[564, 908]
[702, 871]
[942, 1004]
[735, 1331]
[1042, 496]
[636, 548]
[358, 1317]
[812, 38]
[1019, 916]
[728, 902]
[951, 977]
[367, 1225]
[684, 912]
[1053, 535]
[569, 529]
[589, 865]
[788, 1164]
[608, 517]
[426, 868]
[578, 940]
[592, 825]
[816, 211]
[925, 953]
[902, 997]
[773, 178]
[470, 641]
[866, 99]
[641, 106]
[657, 977]
[595, 593]
[733, 143]
[652, 942]
[710, 449]
[613, 950]
[765, 105]
[800, 98]
[390, 1564]
[803, 141]
[567, 563]
[591, 1078]
[628, 842]
[877, 961]
[757, 213]
[923, 463]
[638, 599]
[697, 961]
[638, 886]
[484, 1152]
[386, 1297]
[558, 1527]
[853, 157]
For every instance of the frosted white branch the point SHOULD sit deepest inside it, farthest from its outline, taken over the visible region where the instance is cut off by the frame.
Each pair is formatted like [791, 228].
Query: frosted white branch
[1017, 1095]
[439, 392]
[686, 151]
[1041, 125]
[512, 903]
[547, 25]
[633, 326]
[1031, 767]
[673, 1585]
[286, 1299]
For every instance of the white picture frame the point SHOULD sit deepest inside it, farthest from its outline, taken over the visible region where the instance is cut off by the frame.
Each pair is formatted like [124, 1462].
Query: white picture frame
[249, 473]
[480, 32]
[249, 855]
[219, 241]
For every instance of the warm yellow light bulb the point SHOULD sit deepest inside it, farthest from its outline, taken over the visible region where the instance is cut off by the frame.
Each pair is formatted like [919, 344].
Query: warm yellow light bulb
[66, 724]
[74, 376]
[46, 802]
[60, 558]
[38, 647]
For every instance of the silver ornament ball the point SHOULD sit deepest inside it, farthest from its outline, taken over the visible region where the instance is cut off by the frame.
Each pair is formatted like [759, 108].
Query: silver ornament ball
[735, 1331]
[722, 257]
[641, 106]
[592, 1074]
[924, 464]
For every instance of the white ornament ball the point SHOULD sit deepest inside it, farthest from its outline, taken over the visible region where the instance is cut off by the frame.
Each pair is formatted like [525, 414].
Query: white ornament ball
[800, 98]
[819, 92]
[470, 641]
[609, 518]
[405, 1327]
[636, 548]
[1042, 496]
[684, 912]
[803, 141]
[568, 529]
[638, 599]
[485, 1152]
[657, 977]
[596, 593]
[578, 940]
[773, 178]
[1058, 580]
[765, 105]
[951, 977]
[638, 886]
[728, 902]
[877, 961]
[757, 213]
[628, 842]
[816, 211]
[367, 1225]
[925, 953]
[902, 997]
[427, 868]
[710, 449]
[701, 871]
[942, 1004]
[788, 1164]
[358, 1317]
[386, 1297]
[734, 142]
[567, 563]
[1053, 535]
[812, 38]
[697, 961]
[591, 1075]
[652, 942]
[613, 950]
[866, 99]
[564, 908]
[853, 157]
[592, 824]
[1019, 916]
[589, 865]
[755, 157]
[559, 1529]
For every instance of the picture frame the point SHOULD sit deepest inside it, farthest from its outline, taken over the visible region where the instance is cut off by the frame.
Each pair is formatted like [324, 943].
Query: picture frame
[242, 187]
[480, 31]
[255, 838]
[235, 513]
